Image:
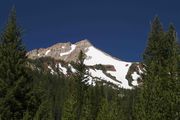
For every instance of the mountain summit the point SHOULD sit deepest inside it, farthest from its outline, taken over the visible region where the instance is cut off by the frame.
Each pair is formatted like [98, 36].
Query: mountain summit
[63, 51]
[116, 71]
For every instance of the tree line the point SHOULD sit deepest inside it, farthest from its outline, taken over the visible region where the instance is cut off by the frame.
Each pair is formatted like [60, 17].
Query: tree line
[32, 94]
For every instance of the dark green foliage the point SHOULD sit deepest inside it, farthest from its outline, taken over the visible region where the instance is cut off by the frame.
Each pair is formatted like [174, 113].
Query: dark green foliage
[158, 97]
[86, 109]
[81, 83]
[15, 82]
[69, 108]
[105, 111]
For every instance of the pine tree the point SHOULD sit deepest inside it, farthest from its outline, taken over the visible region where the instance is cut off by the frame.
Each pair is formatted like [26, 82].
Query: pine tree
[153, 61]
[70, 104]
[81, 79]
[69, 109]
[104, 110]
[115, 109]
[97, 94]
[107, 112]
[15, 83]
[45, 111]
[156, 99]
[154, 42]
[86, 109]
[172, 82]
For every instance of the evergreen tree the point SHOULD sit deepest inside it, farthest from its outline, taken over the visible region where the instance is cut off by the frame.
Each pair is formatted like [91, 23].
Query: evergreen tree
[156, 99]
[15, 83]
[104, 110]
[81, 79]
[69, 109]
[97, 94]
[107, 112]
[70, 104]
[155, 40]
[86, 109]
[172, 83]
[45, 111]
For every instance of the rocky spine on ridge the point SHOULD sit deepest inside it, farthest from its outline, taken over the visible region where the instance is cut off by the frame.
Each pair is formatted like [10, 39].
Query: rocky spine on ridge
[63, 51]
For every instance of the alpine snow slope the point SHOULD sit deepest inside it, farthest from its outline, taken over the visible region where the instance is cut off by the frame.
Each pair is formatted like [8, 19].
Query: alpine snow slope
[115, 71]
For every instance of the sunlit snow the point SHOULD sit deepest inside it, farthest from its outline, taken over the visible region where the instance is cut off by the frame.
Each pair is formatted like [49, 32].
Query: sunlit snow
[47, 52]
[135, 77]
[68, 52]
[52, 71]
[72, 68]
[101, 75]
[62, 69]
[95, 56]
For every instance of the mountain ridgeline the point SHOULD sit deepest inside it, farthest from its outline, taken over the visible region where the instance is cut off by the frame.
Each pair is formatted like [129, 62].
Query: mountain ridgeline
[80, 82]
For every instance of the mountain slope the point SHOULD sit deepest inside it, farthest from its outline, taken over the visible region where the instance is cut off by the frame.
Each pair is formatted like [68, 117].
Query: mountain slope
[101, 65]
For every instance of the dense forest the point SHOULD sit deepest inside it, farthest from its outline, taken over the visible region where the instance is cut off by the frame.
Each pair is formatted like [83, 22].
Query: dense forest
[27, 93]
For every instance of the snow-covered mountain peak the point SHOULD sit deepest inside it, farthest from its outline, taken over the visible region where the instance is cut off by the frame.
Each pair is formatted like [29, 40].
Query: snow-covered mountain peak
[101, 65]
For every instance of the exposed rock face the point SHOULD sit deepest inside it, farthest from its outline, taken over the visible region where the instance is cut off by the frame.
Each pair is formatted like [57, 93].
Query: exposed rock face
[63, 51]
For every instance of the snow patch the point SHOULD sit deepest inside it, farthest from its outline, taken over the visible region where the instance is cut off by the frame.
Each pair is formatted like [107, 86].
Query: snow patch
[135, 77]
[47, 52]
[101, 75]
[141, 72]
[134, 83]
[62, 69]
[91, 80]
[72, 68]
[52, 71]
[68, 52]
[95, 56]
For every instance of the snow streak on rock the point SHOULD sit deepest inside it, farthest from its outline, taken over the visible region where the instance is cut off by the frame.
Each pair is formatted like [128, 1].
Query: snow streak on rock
[72, 49]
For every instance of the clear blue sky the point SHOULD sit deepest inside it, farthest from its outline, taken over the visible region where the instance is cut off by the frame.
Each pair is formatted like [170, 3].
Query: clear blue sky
[118, 27]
